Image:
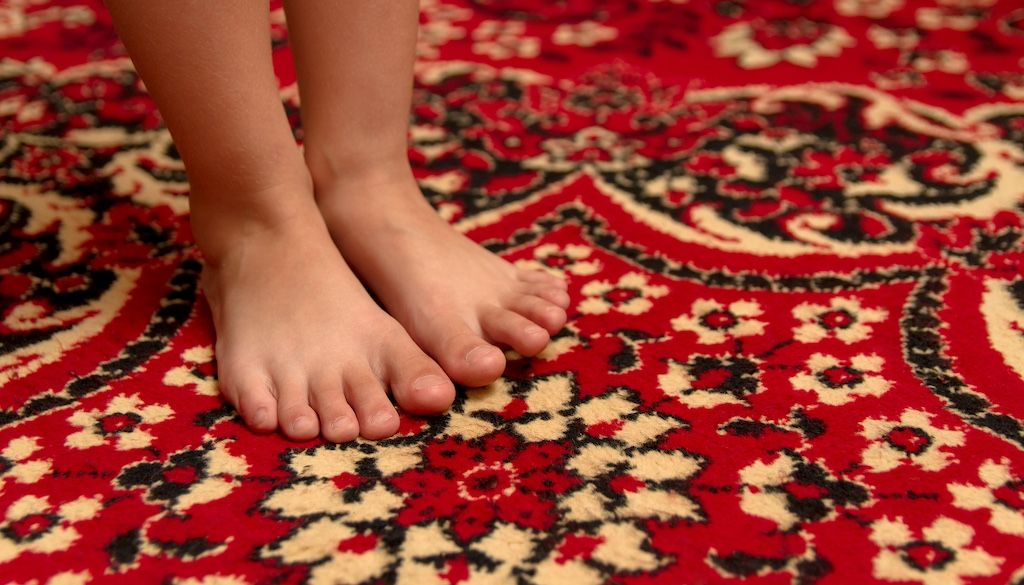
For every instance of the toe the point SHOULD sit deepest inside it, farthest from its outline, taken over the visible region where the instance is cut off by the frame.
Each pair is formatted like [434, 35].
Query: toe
[338, 421]
[418, 384]
[549, 316]
[464, 355]
[542, 277]
[377, 417]
[250, 393]
[516, 331]
[552, 294]
[297, 418]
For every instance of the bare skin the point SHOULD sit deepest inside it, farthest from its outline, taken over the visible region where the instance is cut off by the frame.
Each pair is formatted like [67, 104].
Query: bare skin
[300, 344]
[458, 301]
[328, 360]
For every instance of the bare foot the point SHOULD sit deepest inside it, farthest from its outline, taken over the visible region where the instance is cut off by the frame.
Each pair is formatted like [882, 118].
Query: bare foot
[300, 344]
[456, 299]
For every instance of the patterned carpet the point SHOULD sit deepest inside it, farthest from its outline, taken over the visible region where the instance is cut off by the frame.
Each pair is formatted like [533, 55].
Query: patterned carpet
[793, 232]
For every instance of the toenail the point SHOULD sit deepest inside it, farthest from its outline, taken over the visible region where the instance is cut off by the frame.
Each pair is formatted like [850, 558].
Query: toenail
[424, 383]
[381, 418]
[261, 418]
[534, 330]
[477, 352]
[302, 422]
[341, 424]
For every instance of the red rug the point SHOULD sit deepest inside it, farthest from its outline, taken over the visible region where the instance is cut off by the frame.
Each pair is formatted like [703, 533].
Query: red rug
[793, 232]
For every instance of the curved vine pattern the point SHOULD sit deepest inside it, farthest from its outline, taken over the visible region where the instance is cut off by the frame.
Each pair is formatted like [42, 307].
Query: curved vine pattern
[793, 236]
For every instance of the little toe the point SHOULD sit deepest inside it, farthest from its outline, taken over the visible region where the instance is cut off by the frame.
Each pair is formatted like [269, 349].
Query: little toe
[251, 396]
[418, 384]
[378, 419]
[297, 418]
[516, 331]
[464, 355]
[554, 295]
[549, 316]
[338, 421]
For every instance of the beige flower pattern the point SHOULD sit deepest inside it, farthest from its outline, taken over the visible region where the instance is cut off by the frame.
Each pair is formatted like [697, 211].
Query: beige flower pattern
[788, 490]
[942, 61]
[911, 439]
[17, 464]
[196, 371]
[1001, 494]
[595, 147]
[868, 8]
[953, 17]
[437, 27]
[584, 34]
[120, 423]
[16, 19]
[649, 468]
[843, 318]
[618, 544]
[338, 553]
[791, 356]
[709, 381]
[888, 38]
[738, 40]
[940, 555]
[838, 382]
[342, 488]
[186, 478]
[631, 295]
[32, 524]
[575, 259]
[715, 322]
[504, 40]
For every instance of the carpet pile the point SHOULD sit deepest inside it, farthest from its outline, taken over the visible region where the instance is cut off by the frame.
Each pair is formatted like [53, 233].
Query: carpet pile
[793, 233]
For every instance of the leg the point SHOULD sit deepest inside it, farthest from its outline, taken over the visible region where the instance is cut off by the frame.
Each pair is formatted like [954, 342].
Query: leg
[355, 63]
[300, 344]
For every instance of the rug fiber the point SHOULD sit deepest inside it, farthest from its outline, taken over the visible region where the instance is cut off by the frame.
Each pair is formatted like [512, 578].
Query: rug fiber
[795, 354]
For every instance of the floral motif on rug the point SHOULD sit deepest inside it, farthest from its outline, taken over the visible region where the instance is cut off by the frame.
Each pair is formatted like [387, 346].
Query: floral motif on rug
[793, 236]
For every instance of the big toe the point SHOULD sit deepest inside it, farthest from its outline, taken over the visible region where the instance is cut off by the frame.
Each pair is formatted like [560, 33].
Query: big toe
[418, 384]
[464, 355]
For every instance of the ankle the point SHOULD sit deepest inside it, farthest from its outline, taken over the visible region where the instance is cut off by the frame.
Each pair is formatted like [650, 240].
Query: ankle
[332, 173]
[222, 230]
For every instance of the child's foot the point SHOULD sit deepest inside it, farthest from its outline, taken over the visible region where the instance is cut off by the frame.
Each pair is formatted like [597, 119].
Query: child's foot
[454, 298]
[300, 344]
